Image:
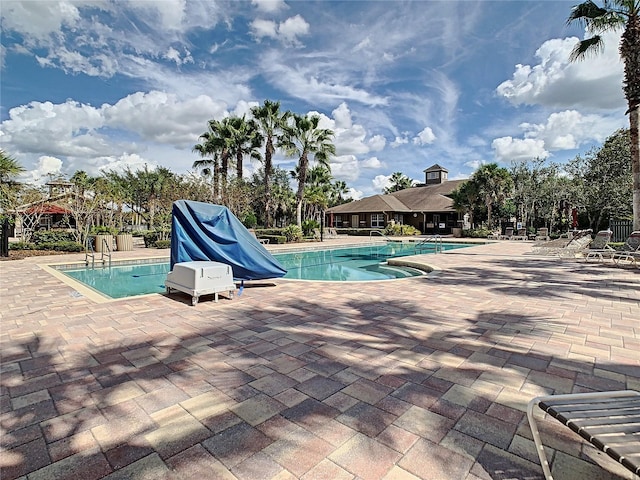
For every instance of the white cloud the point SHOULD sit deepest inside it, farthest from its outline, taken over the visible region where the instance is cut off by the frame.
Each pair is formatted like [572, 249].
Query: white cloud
[376, 143]
[46, 166]
[286, 32]
[354, 193]
[371, 162]
[555, 81]
[400, 140]
[508, 149]
[380, 182]
[292, 28]
[264, 28]
[570, 129]
[269, 6]
[425, 137]
[38, 20]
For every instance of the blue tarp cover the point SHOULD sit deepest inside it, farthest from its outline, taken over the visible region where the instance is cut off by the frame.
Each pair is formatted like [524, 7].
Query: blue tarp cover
[204, 231]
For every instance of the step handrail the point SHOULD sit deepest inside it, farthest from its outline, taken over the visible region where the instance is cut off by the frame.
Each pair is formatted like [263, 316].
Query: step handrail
[435, 239]
[381, 234]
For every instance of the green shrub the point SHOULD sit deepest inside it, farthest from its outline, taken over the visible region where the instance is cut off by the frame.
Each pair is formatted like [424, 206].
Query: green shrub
[52, 236]
[22, 246]
[477, 233]
[275, 239]
[293, 233]
[308, 226]
[150, 238]
[60, 246]
[250, 220]
[162, 244]
[396, 230]
[103, 230]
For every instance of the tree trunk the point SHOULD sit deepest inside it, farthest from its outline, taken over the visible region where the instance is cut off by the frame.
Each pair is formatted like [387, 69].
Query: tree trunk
[634, 124]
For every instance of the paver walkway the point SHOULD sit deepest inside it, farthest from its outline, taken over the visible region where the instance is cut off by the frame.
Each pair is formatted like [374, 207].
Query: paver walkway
[423, 378]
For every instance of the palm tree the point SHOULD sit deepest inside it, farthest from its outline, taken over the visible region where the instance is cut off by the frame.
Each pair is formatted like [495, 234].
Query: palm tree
[270, 121]
[616, 15]
[243, 138]
[494, 184]
[302, 137]
[9, 168]
[215, 143]
[399, 181]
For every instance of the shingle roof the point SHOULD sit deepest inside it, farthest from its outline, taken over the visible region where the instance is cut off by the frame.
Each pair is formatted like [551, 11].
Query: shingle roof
[427, 198]
[435, 168]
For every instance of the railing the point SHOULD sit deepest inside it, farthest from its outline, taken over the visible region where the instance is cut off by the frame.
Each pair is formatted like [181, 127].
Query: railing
[89, 252]
[381, 234]
[435, 240]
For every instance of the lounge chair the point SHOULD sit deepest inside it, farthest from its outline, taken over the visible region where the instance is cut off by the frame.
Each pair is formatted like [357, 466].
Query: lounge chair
[565, 248]
[607, 420]
[495, 235]
[263, 241]
[542, 235]
[332, 232]
[508, 233]
[600, 248]
[630, 253]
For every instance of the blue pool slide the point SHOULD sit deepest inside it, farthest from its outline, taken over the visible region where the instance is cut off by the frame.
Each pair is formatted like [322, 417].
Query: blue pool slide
[204, 231]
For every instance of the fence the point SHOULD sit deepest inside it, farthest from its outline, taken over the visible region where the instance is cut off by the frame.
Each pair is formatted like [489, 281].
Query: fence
[621, 229]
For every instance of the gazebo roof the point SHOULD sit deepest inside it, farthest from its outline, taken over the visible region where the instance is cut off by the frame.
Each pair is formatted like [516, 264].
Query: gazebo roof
[48, 208]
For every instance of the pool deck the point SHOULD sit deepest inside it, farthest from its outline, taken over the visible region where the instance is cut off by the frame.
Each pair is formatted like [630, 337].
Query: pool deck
[420, 378]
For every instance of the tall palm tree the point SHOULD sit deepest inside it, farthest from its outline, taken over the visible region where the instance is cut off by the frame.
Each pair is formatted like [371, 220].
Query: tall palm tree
[302, 138]
[243, 138]
[616, 15]
[270, 121]
[215, 144]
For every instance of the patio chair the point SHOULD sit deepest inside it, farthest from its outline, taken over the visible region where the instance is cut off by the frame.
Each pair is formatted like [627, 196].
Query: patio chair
[630, 253]
[607, 420]
[495, 235]
[542, 235]
[263, 241]
[508, 233]
[332, 233]
[600, 248]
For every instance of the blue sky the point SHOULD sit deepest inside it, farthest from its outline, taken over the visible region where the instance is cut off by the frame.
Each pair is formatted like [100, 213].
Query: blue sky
[102, 85]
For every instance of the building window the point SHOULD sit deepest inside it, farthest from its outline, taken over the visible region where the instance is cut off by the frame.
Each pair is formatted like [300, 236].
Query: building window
[377, 220]
[433, 175]
[398, 218]
[338, 220]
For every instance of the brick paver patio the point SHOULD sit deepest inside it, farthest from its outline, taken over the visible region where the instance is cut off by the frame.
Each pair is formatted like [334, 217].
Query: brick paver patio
[422, 378]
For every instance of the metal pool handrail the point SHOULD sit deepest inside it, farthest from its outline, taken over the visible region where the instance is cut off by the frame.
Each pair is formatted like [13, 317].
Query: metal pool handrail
[435, 239]
[89, 252]
[381, 234]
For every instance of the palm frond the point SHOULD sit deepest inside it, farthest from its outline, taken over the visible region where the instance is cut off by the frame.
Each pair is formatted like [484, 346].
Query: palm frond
[585, 12]
[593, 45]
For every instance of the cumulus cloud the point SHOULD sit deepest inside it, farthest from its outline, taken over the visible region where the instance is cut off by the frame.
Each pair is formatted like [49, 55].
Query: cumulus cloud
[354, 193]
[372, 162]
[557, 82]
[425, 137]
[286, 32]
[380, 182]
[38, 20]
[45, 167]
[376, 143]
[508, 149]
[400, 140]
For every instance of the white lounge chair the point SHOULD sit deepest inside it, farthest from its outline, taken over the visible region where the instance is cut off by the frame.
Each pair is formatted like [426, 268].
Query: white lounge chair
[607, 420]
[630, 253]
[600, 248]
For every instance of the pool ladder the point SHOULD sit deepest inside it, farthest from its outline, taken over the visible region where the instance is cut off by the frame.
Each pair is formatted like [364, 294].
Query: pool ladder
[89, 253]
[435, 240]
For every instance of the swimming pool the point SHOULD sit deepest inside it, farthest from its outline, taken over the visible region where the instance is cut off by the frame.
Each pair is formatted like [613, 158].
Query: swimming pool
[339, 264]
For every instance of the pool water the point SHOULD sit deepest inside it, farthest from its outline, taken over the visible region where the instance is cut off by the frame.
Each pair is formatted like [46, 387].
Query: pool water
[339, 264]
